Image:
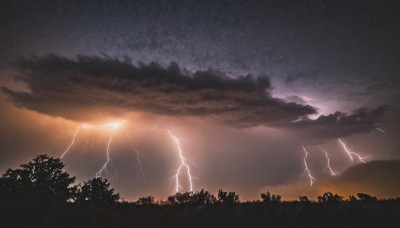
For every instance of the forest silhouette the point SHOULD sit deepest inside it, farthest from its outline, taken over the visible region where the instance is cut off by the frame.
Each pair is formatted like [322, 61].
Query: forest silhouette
[41, 194]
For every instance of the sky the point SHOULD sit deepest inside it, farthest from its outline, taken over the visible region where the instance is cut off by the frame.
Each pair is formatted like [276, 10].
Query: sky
[247, 96]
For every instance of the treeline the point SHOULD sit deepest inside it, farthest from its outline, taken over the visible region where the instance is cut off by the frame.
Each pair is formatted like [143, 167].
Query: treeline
[203, 197]
[43, 180]
[41, 194]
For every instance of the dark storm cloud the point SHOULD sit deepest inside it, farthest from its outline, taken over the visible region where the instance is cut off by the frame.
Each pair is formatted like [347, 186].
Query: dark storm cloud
[340, 124]
[84, 87]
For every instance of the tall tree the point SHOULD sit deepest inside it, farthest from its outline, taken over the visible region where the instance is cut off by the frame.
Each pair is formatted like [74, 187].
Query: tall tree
[43, 177]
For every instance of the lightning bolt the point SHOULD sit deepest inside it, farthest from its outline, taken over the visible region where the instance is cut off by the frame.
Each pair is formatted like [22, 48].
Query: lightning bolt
[108, 161]
[386, 138]
[351, 153]
[72, 141]
[110, 126]
[182, 165]
[139, 162]
[306, 170]
[380, 129]
[328, 165]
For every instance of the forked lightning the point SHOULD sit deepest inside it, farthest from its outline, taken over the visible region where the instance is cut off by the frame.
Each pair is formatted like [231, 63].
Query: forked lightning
[110, 127]
[351, 153]
[306, 170]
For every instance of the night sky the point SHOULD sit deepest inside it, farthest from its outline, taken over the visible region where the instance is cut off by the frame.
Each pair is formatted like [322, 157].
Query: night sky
[242, 85]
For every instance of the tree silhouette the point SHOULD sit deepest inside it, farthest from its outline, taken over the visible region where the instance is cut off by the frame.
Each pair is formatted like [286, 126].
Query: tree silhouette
[97, 192]
[203, 197]
[366, 197]
[146, 200]
[180, 198]
[304, 199]
[268, 198]
[352, 199]
[329, 197]
[43, 178]
[227, 197]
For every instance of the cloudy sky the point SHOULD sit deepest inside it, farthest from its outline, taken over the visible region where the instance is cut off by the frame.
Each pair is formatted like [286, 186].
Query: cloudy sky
[232, 90]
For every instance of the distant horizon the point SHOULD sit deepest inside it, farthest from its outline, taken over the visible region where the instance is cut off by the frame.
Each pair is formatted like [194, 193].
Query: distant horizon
[313, 197]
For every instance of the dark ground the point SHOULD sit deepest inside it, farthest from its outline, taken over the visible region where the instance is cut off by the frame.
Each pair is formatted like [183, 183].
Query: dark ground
[294, 214]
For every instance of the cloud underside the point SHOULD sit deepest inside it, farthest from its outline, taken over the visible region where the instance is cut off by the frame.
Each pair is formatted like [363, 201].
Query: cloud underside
[87, 87]
[340, 124]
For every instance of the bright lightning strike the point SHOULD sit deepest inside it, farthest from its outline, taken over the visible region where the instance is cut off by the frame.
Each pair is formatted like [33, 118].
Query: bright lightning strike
[328, 165]
[182, 165]
[108, 126]
[98, 174]
[306, 170]
[351, 153]
[72, 141]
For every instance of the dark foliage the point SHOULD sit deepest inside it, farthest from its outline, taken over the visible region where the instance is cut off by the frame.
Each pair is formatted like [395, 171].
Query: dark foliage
[97, 192]
[227, 197]
[366, 197]
[268, 198]
[304, 199]
[40, 179]
[146, 200]
[329, 197]
[40, 194]
[196, 198]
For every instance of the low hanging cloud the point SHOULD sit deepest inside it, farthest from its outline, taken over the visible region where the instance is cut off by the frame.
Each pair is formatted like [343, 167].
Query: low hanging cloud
[89, 87]
[340, 124]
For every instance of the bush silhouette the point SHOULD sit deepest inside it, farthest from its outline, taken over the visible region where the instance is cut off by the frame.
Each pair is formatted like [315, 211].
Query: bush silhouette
[146, 200]
[227, 197]
[201, 197]
[180, 198]
[304, 199]
[366, 197]
[268, 198]
[329, 197]
[97, 192]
